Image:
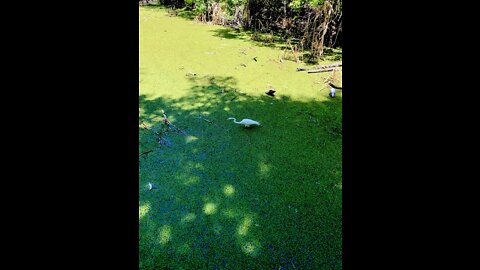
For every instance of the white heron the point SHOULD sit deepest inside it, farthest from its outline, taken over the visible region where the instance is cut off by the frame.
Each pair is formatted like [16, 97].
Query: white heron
[246, 122]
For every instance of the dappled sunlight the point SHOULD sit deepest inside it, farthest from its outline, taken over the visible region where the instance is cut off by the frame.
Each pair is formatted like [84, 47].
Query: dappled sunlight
[251, 248]
[184, 249]
[213, 183]
[190, 139]
[189, 218]
[264, 168]
[242, 229]
[198, 166]
[228, 190]
[171, 118]
[221, 191]
[143, 210]
[192, 180]
[210, 208]
[230, 213]
[190, 174]
[165, 234]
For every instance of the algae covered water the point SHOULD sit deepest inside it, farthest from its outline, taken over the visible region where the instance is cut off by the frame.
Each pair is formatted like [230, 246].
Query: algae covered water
[226, 196]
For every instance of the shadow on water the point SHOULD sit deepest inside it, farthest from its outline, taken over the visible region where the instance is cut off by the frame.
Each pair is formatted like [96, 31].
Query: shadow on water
[185, 13]
[228, 197]
[228, 33]
[256, 38]
[332, 54]
[275, 41]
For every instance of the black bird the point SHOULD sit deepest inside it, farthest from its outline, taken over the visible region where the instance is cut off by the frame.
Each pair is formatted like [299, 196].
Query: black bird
[334, 86]
[270, 92]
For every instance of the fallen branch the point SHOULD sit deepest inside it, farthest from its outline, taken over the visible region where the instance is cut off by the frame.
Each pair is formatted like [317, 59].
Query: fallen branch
[209, 121]
[144, 153]
[169, 124]
[322, 70]
[144, 125]
[204, 119]
[329, 65]
[320, 67]
[177, 129]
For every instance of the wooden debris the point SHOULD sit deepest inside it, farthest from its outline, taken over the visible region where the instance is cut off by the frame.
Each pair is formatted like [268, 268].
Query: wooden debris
[326, 67]
[144, 125]
[322, 70]
[330, 65]
[206, 120]
[169, 124]
[144, 153]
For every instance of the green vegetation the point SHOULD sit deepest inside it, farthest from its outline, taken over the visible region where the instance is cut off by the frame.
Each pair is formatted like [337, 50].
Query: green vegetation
[307, 25]
[228, 197]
